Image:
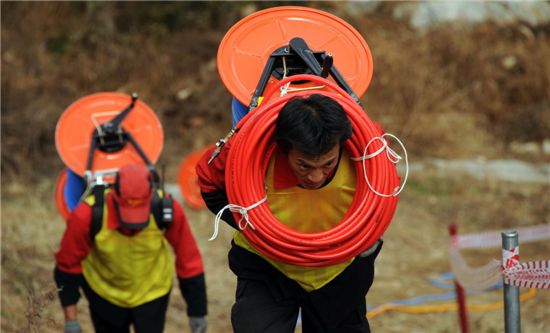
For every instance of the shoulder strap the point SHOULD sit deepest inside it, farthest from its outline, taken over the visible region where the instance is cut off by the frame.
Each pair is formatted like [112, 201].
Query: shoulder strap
[97, 210]
[162, 208]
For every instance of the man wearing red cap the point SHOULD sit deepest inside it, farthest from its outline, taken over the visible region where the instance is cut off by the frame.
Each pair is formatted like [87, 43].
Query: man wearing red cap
[126, 267]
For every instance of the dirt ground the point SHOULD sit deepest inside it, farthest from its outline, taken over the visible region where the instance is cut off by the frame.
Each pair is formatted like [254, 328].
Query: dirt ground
[454, 92]
[415, 249]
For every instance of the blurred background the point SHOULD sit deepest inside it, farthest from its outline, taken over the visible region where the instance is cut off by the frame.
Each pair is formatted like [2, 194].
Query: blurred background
[466, 87]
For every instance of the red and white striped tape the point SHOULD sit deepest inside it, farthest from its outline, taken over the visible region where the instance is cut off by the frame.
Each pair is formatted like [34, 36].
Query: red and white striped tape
[494, 239]
[531, 274]
[510, 258]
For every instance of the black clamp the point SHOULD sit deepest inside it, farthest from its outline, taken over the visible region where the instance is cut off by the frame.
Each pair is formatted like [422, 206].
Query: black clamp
[111, 137]
[297, 58]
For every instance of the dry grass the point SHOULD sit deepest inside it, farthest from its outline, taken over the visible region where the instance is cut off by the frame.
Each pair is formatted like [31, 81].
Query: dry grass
[415, 248]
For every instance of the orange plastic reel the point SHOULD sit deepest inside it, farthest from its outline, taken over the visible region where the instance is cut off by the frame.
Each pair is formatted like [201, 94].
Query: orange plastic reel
[188, 180]
[247, 46]
[59, 195]
[73, 134]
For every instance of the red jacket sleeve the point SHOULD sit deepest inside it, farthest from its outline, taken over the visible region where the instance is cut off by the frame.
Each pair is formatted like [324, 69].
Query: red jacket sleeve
[211, 177]
[189, 267]
[188, 257]
[76, 243]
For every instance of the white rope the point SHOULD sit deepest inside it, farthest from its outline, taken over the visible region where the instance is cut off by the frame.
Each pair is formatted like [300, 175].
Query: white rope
[236, 209]
[392, 157]
[286, 88]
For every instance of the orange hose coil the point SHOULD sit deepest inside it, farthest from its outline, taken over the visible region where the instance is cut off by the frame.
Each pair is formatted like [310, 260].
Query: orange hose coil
[188, 180]
[368, 216]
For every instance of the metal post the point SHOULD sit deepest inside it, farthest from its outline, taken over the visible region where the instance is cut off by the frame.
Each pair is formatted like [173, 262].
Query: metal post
[510, 256]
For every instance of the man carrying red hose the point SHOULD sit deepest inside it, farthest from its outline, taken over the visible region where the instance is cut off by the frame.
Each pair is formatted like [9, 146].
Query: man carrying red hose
[310, 184]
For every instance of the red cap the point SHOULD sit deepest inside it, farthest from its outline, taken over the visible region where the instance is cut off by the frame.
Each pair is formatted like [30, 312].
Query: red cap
[133, 195]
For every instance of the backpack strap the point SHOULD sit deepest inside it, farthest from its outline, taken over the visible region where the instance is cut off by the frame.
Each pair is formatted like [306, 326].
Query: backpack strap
[162, 208]
[97, 210]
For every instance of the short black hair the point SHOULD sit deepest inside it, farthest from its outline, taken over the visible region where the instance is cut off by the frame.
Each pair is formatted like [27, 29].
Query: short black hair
[312, 125]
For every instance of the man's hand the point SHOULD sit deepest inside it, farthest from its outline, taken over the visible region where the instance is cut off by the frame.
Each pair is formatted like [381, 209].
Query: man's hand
[198, 324]
[72, 326]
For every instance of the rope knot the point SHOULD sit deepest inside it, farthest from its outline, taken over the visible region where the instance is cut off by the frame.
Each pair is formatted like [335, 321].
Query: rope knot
[234, 208]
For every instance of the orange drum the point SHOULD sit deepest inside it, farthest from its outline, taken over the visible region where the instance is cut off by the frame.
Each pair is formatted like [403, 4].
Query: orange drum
[188, 180]
[247, 46]
[73, 134]
[59, 195]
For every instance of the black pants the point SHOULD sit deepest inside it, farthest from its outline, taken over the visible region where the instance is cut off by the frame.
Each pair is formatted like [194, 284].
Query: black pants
[268, 302]
[110, 318]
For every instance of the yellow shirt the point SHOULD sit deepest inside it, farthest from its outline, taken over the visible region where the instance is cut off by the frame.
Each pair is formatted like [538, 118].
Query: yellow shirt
[309, 211]
[129, 270]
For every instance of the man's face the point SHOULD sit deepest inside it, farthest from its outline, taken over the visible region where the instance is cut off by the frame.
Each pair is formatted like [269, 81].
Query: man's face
[313, 171]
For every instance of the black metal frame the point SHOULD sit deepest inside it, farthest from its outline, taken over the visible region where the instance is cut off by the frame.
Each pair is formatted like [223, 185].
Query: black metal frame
[111, 137]
[300, 60]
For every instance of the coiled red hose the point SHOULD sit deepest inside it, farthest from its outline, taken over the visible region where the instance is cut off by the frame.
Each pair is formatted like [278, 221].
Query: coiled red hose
[368, 216]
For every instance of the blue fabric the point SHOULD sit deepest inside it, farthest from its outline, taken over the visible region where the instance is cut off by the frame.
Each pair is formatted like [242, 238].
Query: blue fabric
[436, 297]
[74, 188]
[238, 111]
[446, 281]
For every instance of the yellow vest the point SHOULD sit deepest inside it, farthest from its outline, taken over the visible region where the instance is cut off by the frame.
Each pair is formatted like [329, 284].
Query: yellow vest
[309, 211]
[129, 270]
